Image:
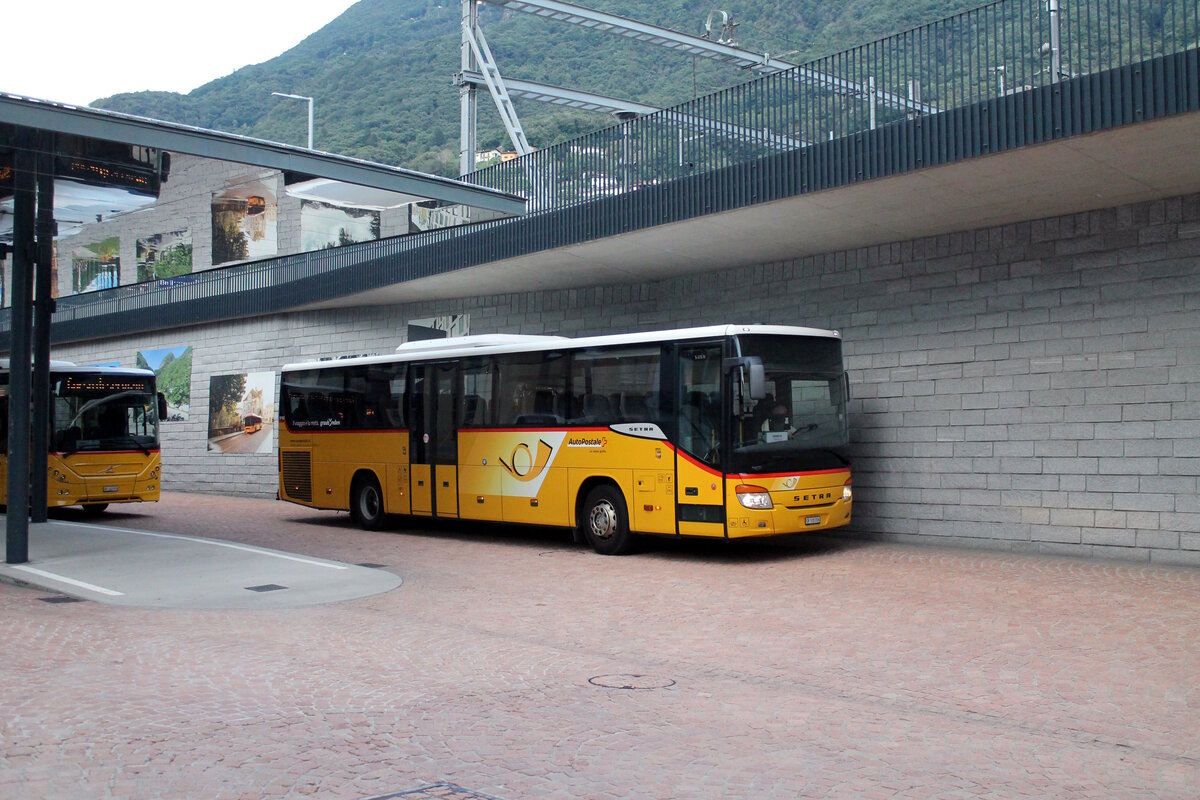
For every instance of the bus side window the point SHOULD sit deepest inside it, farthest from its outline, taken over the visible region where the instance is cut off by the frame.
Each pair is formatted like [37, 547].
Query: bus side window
[395, 390]
[298, 414]
[477, 387]
[474, 411]
[532, 389]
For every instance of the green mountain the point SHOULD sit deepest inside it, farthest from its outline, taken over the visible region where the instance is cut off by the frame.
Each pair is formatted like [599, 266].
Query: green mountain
[382, 73]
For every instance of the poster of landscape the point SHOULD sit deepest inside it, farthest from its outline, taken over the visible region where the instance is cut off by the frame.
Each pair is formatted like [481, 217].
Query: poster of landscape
[96, 266]
[324, 225]
[241, 413]
[173, 368]
[164, 255]
[244, 221]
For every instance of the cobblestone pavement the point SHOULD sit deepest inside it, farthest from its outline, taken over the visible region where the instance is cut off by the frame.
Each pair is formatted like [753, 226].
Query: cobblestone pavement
[512, 664]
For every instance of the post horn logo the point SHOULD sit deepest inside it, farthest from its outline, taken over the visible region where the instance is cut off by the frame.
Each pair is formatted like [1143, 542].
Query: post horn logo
[523, 465]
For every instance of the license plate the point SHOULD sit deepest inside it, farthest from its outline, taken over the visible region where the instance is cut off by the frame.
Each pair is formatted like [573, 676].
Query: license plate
[812, 520]
[112, 489]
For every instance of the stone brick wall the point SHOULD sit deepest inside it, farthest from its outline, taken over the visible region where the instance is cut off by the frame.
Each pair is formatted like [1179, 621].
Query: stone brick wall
[1031, 387]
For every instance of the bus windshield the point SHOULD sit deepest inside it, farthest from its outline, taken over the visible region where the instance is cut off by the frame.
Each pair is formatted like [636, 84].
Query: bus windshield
[801, 424]
[99, 412]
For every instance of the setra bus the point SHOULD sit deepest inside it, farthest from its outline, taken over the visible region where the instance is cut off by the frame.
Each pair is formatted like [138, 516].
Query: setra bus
[251, 423]
[723, 431]
[103, 445]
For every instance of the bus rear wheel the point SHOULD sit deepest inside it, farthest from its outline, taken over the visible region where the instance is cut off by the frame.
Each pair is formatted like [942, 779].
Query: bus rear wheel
[366, 503]
[605, 522]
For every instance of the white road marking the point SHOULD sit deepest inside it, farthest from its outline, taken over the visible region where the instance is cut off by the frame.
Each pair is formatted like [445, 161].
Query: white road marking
[91, 587]
[230, 545]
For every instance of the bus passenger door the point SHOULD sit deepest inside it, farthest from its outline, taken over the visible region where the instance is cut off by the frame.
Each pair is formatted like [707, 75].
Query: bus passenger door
[700, 483]
[433, 470]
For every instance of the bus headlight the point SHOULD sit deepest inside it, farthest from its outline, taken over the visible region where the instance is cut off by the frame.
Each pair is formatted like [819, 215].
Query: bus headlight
[751, 496]
[847, 492]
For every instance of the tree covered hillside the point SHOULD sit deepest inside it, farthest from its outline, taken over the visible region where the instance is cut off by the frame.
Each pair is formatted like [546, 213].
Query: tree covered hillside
[382, 73]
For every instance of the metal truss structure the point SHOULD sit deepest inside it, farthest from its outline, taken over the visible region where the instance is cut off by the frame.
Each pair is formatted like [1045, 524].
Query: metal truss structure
[478, 65]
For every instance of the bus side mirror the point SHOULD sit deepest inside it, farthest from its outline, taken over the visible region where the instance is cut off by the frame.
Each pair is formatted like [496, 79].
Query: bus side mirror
[758, 379]
[750, 369]
[162, 407]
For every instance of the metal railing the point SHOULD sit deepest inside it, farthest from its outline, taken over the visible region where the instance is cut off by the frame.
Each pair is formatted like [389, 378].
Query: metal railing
[994, 51]
[669, 160]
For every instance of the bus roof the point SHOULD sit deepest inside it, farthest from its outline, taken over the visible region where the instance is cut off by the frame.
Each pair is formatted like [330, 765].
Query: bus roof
[57, 366]
[492, 344]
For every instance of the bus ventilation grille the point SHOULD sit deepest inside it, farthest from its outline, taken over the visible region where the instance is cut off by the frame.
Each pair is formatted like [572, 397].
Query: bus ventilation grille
[297, 475]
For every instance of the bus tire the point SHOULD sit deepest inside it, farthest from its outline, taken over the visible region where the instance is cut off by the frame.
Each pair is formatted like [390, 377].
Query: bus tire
[366, 503]
[94, 509]
[605, 521]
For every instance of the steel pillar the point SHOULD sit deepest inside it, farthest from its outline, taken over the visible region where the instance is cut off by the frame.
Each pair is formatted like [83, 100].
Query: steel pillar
[43, 308]
[24, 205]
[467, 94]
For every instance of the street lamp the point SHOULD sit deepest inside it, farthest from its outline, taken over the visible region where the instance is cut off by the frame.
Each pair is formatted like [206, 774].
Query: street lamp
[310, 113]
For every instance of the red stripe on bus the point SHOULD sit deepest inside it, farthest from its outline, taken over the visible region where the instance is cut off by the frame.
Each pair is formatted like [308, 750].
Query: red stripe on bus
[696, 463]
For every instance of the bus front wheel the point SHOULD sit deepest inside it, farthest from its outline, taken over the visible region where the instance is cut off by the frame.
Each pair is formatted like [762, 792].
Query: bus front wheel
[605, 521]
[366, 503]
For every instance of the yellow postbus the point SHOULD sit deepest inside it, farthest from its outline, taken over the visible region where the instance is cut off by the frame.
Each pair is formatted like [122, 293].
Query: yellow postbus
[722, 431]
[103, 443]
[251, 423]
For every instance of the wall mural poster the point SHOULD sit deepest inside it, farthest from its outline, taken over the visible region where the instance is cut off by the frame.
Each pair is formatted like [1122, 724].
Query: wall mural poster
[96, 266]
[164, 255]
[323, 225]
[244, 221]
[241, 412]
[173, 366]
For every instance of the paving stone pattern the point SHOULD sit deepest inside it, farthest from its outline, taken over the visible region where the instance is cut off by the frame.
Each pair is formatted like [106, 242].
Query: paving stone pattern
[811, 668]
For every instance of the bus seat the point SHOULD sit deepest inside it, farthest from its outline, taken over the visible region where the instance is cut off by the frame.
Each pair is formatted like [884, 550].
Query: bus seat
[474, 410]
[596, 408]
[544, 402]
[652, 408]
[617, 404]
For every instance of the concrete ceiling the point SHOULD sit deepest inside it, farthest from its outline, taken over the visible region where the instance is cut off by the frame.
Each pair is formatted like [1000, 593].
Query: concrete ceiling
[1130, 164]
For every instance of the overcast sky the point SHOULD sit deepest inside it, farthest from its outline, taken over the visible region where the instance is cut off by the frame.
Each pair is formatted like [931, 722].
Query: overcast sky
[76, 52]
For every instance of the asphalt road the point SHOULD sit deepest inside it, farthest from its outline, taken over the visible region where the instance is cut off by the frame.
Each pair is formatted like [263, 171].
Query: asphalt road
[245, 442]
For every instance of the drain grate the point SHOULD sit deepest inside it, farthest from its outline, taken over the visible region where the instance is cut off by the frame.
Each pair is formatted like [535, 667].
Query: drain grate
[370, 565]
[61, 598]
[436, 791]
[266, 587]
[631, 682]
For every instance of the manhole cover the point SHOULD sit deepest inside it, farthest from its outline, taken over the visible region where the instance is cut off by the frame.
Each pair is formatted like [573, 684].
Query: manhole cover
[371, 565]
[631, 682]
[436, 791]
[266, 587]
[60, 599]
